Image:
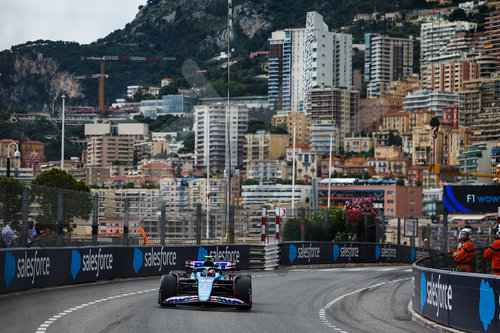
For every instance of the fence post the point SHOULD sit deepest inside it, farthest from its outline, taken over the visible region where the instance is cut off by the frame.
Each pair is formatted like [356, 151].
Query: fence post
[302, 224]
[95, 224]
[444, 243]
[263, 226]
[231, 224]
[399, 231]
[26, 205]
[126, 208]
[198, 223]
[365, 227]
[162, 223]
[60, 217]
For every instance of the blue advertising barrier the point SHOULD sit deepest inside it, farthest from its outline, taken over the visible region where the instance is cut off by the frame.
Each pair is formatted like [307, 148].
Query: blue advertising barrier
[25, 268]
[306, 253]
[465, 301]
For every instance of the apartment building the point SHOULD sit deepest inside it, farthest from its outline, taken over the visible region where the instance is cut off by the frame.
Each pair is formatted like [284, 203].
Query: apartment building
[492, 34]
[386, 59]
[372, 111]
[342, 61]
[430, 100]
[479, 107]
[104, 150]
[263, 145]
[210, 135]
[268, 169]
[291, 119]
[286, 59]
[398, 122]
[476, 158]
[358, 143]
[339, 105]
[321, 130]
[306, 162]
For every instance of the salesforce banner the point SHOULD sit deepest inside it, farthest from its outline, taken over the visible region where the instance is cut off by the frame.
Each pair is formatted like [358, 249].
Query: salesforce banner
[471, 199]
[31, 268]
[306, 253]
[466, 301]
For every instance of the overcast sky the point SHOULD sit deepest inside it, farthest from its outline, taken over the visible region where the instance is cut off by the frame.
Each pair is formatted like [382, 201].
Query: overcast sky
[82, 21]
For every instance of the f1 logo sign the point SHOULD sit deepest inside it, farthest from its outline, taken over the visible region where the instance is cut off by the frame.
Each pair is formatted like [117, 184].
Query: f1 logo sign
[282, 212]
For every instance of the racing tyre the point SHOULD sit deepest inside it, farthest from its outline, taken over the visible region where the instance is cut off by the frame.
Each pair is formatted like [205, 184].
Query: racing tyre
[243, 291]
[168, 288]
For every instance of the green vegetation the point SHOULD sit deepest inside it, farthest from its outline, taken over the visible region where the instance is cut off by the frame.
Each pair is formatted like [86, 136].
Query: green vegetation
[47, 188]
[315, 227]
[11, 193]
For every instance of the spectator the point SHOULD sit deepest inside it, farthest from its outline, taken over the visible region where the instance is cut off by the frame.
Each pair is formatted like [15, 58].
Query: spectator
[9, 236]
[465, 253]
[493, 252]
[33, 234]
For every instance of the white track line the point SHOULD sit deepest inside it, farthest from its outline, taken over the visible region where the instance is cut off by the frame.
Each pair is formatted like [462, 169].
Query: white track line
[322, 311]
[45, 326]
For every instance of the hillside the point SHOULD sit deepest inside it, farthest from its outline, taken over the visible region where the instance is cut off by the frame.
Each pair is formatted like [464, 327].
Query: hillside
[37, 73]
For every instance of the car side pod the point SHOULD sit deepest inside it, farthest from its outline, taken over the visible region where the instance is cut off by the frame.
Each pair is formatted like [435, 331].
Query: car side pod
[168, 288]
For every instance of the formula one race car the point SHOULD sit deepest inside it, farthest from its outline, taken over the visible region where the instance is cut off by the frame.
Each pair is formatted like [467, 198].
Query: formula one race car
[208, 282]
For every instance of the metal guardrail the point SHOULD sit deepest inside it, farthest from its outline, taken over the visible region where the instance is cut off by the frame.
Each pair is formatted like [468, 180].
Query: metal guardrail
[446, 262]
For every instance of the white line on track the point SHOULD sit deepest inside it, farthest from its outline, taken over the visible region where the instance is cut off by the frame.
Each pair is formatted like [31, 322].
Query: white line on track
[322, 311]
[44, 327]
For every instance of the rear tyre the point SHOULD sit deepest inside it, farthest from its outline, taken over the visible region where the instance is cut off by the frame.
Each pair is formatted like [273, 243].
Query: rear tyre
[168, 288]
[243, 291]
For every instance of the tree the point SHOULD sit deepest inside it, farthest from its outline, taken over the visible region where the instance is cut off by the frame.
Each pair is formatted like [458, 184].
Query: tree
[11, 194]
[357, 209]
[314, 228]
[77, 198]
[457, 15]
[188, 145]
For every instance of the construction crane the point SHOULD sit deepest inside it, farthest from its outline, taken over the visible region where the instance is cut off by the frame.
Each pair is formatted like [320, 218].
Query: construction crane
[103, 59]
[450, 170]
[90, 76]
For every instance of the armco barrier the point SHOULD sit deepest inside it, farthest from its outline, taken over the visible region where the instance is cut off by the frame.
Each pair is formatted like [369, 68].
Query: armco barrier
[307, 253]
[465, 301]
[24, 268]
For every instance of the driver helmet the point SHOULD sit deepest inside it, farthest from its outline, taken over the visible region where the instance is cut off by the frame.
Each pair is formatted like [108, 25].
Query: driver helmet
[211, 272]
[496, 230]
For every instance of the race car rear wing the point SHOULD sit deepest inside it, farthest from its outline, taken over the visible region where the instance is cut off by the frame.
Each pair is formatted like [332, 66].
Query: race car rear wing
[226, 265]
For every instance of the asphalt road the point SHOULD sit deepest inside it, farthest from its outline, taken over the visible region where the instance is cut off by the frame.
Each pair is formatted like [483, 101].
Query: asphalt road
[362, 299]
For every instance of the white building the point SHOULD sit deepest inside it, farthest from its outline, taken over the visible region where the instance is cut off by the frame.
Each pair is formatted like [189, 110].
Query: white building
[431, 100]
[435, 36]
[270, 191]
[210, 131]
[342, 60]
[318, 53]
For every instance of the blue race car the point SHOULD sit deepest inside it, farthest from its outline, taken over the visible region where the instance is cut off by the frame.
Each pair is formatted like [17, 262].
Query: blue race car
[207, 283]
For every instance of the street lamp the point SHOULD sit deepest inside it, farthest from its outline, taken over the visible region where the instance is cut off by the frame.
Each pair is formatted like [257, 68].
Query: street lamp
[62, 140]
[17, 154]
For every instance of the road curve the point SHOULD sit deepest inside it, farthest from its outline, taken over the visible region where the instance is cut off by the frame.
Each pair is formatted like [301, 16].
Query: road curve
[358, 299]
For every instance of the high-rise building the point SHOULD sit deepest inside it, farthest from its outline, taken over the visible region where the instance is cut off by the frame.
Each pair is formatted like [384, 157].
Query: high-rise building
[210, 133]
[342, 60]
[386, 59]
[303, 58]
[264, 145]
[297, 119]
[341, 106]
[286, 59]
[372, 111]
[492, 34]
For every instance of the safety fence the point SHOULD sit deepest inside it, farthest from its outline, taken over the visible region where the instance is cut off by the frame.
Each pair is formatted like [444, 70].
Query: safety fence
[466, 301]
[24, 268]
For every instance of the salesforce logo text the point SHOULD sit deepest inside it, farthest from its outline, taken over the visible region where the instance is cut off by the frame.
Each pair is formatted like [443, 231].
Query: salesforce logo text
[482, 198]
[421, 254]
[97, 262]
[349, 252]
[388, 252]
[439, 295]
[32, 267]
[159, 258]
[308, 252]
[226, 255]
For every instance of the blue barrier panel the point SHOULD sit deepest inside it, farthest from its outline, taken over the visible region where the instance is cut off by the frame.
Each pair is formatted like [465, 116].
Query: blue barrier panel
[466, 301]
[305, 253]
[27, 268]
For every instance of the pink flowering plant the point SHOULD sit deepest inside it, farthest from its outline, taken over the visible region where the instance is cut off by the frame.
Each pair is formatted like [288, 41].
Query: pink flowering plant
[357, 208]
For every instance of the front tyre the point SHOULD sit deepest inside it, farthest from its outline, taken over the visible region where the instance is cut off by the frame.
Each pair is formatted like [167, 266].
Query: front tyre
[243, 291]
[168, 288]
